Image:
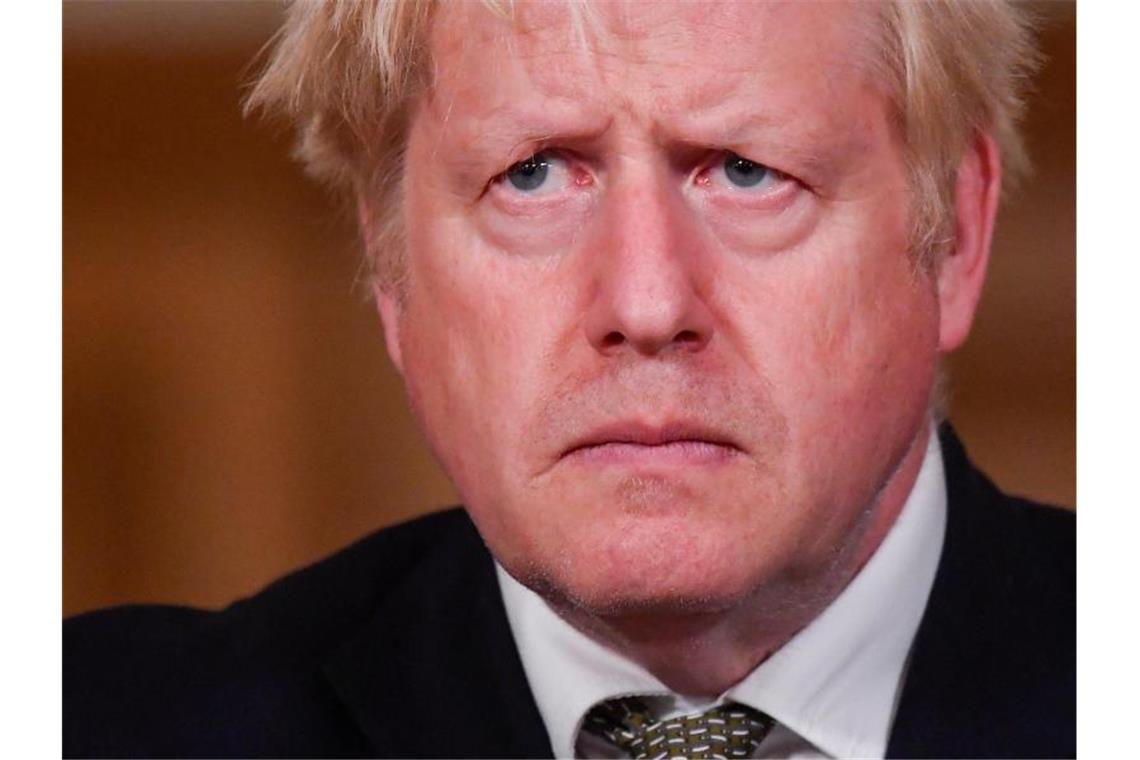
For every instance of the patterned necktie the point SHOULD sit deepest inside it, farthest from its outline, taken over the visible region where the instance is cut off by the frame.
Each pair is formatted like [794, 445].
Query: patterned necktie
[725, 731]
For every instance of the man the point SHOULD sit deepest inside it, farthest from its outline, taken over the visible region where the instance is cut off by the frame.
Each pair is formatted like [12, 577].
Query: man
[668, 285]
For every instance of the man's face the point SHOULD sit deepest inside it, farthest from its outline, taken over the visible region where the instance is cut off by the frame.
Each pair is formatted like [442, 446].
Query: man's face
[677, 357]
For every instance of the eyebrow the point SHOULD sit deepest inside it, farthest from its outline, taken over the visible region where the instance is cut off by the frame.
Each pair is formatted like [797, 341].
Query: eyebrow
[820, 145]
[816, 151]
[502, 132]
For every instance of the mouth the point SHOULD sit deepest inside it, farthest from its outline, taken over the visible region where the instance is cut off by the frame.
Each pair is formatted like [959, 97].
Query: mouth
[679, 443]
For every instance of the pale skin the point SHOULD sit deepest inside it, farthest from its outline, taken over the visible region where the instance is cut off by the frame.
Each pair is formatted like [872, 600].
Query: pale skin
[683, 408]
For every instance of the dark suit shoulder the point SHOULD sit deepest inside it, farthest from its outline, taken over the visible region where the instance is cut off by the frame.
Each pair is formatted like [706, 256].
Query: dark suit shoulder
[345, 588]
[1024, 552]
[993, 666]
[152, 680]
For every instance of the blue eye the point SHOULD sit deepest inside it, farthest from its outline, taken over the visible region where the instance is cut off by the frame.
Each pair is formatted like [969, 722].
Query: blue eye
[529, 174]
[742, 172]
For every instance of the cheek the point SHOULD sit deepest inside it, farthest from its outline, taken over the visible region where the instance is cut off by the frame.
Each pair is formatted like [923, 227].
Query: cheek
[472, 337]
[872, 319]
[876, 351]
[849, 334]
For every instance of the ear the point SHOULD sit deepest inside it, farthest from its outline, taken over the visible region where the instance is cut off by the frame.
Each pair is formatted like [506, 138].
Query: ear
[387, 303]
[962, 272]
[390, 313]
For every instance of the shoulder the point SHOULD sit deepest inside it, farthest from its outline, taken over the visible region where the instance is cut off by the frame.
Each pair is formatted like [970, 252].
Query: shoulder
[1024, 552]
[993, 666]
[162, 680]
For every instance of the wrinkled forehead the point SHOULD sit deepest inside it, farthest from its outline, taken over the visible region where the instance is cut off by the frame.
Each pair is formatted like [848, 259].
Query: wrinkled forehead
[574, 48]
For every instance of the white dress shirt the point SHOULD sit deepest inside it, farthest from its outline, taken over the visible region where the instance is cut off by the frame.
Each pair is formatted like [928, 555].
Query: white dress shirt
[832, 688]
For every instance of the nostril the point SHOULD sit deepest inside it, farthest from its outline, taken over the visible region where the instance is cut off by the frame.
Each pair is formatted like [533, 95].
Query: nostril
[612, 339]
[687, 336]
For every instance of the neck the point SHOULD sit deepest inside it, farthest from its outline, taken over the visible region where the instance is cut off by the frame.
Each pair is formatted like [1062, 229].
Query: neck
[703, 654]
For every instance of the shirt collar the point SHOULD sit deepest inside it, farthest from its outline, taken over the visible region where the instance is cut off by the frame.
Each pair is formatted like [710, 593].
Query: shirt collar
[835, 683]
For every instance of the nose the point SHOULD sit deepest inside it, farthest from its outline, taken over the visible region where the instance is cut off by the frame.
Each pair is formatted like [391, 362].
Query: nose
[649, 290]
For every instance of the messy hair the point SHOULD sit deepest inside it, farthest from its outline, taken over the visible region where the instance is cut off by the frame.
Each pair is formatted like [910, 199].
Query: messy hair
[347, 73]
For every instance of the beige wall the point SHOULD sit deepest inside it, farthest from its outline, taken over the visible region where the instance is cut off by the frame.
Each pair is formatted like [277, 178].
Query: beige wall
[229, 413]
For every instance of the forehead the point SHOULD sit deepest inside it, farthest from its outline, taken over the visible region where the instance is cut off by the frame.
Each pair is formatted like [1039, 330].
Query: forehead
[659, 60]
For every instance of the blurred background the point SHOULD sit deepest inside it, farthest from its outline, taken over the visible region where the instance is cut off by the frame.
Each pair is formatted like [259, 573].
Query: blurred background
[229, 411]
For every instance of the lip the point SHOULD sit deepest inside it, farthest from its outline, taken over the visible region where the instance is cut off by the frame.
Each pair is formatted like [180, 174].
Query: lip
[678, 442]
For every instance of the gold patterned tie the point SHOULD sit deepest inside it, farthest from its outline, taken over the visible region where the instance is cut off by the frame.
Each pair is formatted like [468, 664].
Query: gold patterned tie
[725, 731]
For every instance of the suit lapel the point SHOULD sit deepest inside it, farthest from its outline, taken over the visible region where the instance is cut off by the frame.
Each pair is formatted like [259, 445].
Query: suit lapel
[436, 672]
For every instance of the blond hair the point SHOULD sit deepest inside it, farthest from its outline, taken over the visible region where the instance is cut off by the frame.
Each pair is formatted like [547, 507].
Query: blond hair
[955, 68]
[347, 74]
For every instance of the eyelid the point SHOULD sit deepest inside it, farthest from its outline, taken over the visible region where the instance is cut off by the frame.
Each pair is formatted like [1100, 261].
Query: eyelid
[562, 163]
[502, 175]
[527, 152]
[775, 193]
[703, 176]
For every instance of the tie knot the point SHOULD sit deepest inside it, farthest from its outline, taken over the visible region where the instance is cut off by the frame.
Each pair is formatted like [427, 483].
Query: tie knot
[724, 731]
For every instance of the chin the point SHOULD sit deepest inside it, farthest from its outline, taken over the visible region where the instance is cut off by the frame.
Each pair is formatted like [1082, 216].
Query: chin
[643, 541]
[649, 564]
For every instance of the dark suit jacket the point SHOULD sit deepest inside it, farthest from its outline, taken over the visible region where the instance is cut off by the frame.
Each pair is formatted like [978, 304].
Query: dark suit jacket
[400, 646]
